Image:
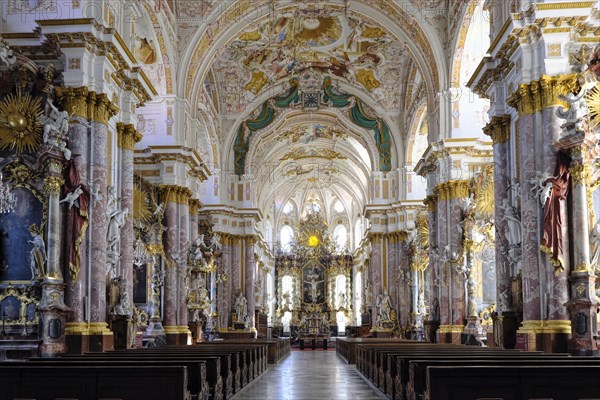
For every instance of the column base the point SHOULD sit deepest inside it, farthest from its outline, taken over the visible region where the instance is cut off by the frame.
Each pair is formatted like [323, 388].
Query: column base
[549, 336]
[82, 337]
[177, 335]
[450, 334]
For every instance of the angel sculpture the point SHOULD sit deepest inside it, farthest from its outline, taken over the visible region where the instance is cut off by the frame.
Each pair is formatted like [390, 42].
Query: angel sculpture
[215, 242]
[542, 188]
[6, 54]
[73, 197]
[576, 113]
[56, 125]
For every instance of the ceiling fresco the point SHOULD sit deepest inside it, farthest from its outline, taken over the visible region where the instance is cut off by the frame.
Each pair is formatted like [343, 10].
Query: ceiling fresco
[335, 43]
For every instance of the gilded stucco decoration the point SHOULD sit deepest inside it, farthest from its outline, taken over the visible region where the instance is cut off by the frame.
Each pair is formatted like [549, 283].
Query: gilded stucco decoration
[344, 45]
[20, 126]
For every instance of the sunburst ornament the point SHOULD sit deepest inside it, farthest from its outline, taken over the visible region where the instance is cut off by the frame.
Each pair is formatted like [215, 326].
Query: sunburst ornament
[313, 241]
[592, 98]
[141, 208]
[20, 126]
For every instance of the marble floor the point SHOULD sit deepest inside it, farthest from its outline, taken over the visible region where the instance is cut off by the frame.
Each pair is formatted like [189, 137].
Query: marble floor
[309, 375]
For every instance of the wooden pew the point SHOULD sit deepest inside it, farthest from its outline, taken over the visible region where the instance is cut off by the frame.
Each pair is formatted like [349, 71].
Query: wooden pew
[418, 368]
[346, 347]
[570, 382]
[213, 365]
[92, 383]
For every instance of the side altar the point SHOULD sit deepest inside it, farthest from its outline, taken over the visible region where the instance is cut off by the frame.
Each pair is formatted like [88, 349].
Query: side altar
[314, 282]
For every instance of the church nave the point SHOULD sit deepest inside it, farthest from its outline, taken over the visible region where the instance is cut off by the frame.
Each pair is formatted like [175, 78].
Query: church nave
[309, 375]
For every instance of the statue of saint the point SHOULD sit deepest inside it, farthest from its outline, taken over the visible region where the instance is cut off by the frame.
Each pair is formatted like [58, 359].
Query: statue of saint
[513, 223]
[117, 221]
[241, 308]
[37, 255]
[384, 304]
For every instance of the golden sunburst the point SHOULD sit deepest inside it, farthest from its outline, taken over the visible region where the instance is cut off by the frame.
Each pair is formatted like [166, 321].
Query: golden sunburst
[319, 31]
[20, 126]
[592, 97]
[141, 208]
[484, 197]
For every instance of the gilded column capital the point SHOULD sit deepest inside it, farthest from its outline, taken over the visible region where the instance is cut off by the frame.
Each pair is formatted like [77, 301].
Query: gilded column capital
[454, 189]
[74, 100]
[128, 136]
[431, 203]
[195, 206]
[100, 108]
[175, 194]
[537, 95]
[581, 174]
[498, 129]
[52, 185]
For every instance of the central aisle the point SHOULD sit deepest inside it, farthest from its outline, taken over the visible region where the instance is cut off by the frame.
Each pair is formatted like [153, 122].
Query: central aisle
[309, 375]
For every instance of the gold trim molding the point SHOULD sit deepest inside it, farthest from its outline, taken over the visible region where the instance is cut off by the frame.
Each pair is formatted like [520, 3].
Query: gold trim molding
[535, 96]
[454, 189]
[581, 174]
[547, 326]
[175, 194]
[498, 129]
[128, 136]
[451, 329]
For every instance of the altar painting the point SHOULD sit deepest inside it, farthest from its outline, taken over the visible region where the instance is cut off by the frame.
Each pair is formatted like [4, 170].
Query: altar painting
[313, 283]
[15, 238]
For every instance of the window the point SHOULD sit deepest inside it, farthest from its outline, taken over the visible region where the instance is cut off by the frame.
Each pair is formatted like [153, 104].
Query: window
[288, 208]
[286, 236]
[338, 207]
[340, 235]
[358, 233]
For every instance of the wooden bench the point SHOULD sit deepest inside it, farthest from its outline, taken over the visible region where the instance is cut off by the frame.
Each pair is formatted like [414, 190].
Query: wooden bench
[213, 365]
[418, 368]
[346, 347]
[93, 383]
[564, 382]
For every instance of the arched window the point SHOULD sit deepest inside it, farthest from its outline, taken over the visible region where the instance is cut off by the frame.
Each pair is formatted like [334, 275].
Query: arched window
[358, 232]
[286, 235]
[288, 208]
[339, 207]
[287, 293]
[340, 235]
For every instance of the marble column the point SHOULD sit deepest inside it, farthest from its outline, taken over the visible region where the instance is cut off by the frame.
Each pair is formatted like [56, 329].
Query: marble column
[432, 288]
[453, 298]
[172, 259]
[505, 322]
[584, 303]
[224, 288]
[184, 233]
[74, 101]
[376, 282]
[127, 138]
[249, 277]
[52, 308]
[545, 325]
[101, 110]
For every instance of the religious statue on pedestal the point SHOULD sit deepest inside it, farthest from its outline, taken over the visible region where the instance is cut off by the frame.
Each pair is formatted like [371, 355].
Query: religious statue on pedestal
[384, 305]
[241, 308]
[37, 255]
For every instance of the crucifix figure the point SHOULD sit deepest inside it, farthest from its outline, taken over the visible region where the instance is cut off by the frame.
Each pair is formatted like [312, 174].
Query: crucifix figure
[312, 280]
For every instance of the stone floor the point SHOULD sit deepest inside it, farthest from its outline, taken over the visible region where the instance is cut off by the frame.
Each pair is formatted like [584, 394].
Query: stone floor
[309, 375]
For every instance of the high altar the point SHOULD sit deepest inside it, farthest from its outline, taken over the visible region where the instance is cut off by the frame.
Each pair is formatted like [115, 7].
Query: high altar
[314, 284]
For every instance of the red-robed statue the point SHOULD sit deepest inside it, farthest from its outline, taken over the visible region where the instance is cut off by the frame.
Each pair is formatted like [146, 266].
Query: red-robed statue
[552, 241]
[77, 221]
